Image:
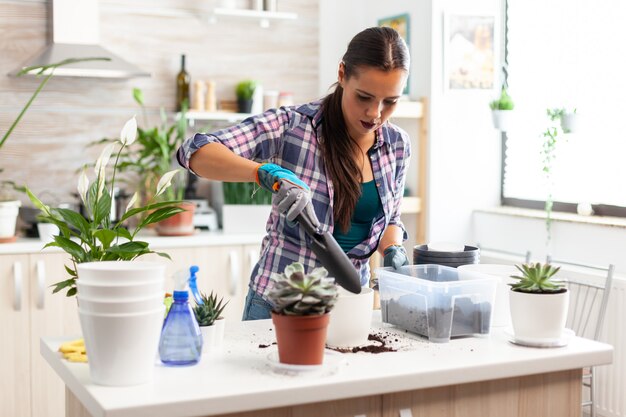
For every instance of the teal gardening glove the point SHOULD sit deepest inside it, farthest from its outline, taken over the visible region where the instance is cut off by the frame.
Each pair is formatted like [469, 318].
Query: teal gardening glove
[292, 194]
[395, 256]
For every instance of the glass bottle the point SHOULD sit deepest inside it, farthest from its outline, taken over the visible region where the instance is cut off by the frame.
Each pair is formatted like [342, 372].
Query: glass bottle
[182, 85]
[181, 340]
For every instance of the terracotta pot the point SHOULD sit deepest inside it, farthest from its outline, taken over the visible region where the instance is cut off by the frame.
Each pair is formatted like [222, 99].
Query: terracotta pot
[300, 339]
[180, 224]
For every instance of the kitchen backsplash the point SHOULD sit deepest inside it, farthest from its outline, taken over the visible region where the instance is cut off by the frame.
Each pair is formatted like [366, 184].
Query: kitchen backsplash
[49, 144]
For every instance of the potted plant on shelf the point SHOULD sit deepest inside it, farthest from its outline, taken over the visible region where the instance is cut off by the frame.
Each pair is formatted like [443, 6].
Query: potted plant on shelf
[9, 203]
[245, 91]
[246, 207]
[209, 317]
[501, 110]
[539, 303]
[301, 303]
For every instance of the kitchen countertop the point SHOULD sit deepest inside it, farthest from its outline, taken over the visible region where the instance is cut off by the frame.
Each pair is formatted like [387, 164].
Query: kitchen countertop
[241, 378]
[200, 238]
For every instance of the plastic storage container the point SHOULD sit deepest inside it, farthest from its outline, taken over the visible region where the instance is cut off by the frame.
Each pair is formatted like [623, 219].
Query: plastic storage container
[434, 301]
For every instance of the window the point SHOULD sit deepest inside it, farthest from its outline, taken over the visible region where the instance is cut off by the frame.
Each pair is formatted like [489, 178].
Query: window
[567, 53]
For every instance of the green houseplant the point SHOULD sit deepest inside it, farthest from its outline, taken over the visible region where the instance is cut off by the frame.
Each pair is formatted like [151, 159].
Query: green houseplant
[93, 237]
[246, 207]
[9, 204]
[501, 109]
[301, 303]
[539, 303]
[209, 317]
[244, 92]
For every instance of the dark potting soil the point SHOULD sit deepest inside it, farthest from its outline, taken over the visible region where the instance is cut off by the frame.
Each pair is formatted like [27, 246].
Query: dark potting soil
[466, 318]
[379, 347]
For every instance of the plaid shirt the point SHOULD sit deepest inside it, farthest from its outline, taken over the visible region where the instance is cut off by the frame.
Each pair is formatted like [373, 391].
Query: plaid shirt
[289, 137]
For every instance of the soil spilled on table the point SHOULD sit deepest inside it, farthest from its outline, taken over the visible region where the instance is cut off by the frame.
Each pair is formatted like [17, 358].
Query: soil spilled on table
[379, 346]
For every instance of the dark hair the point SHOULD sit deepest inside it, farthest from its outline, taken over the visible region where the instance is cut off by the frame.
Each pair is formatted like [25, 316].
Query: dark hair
[375, 47]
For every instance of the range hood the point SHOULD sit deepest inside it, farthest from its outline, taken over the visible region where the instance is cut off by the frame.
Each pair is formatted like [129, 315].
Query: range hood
[75, 33]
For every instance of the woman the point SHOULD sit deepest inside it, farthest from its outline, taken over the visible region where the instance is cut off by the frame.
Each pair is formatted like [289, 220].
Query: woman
[337, 160]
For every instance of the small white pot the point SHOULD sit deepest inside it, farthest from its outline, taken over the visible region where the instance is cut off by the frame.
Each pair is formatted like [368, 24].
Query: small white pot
[47, 231]
[501, 119]
[242, 218]
[569, 122]
[350, 319]
[538, 316]
[8, 218]
[213, 336]
[120, 272]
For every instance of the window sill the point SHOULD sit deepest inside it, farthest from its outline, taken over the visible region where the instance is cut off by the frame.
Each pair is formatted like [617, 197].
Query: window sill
[607, 221]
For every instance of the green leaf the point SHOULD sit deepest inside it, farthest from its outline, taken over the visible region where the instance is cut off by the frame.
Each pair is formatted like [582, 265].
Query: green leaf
[103, 209]
[134, 247]
[58, 286]
[70, 271]
[161, 214]
[71, 247]
[71, 292]
[138, 96]
[164, 255]
[74, 219]
[123, 232]
[105, 236]
[135, 211]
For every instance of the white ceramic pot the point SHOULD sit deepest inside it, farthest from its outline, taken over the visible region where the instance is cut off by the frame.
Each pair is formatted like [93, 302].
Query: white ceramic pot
[351, 318]
[245, 218]
[213, 336]
[569, 122]
[538, 316]
[501, 119]
[119, 292]
[501, 311]
[128, 305]
[8, 218]
[121, 348]
[47, 231]
[120, 272]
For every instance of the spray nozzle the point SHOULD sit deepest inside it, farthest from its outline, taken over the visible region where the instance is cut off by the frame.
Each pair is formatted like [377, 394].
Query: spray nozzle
[184, 281]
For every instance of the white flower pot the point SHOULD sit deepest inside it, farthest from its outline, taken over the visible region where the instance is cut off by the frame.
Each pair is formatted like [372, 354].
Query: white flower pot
[501, 119]
[8, 218]
[538, 316]
[120, 272]
[569, 122]
[121, 348]
[242, 218]
[47, 231]
[213, 336]
[350, 319]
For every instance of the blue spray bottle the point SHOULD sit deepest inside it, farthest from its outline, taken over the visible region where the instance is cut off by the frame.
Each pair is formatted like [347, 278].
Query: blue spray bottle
[181, 340]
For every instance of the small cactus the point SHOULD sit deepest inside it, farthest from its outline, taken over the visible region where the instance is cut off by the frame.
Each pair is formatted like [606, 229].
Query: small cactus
[537, 278]
[210, 310]
[296, 293]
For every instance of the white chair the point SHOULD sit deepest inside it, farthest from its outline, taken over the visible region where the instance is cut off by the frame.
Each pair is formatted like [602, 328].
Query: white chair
[588, 301]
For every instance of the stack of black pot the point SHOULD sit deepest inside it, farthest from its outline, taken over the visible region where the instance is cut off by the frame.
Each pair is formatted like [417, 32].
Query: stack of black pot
[469, 255]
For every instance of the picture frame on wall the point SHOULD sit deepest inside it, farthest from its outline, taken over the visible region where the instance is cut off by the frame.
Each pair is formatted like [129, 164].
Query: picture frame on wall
[470, 52]
[402, 24]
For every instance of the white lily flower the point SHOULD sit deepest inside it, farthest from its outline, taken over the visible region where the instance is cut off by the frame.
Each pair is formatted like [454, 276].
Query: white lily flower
[103, 160]
[166, 181]
[132, 202]
[129, 132]
[83, 186]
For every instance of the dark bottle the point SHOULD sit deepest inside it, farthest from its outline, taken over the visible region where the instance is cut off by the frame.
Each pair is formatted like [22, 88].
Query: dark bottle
[182, 86]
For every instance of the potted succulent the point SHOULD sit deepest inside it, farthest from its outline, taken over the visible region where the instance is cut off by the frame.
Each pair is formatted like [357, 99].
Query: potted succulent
[501, 110]
[245, 91]
[209, 317]
[9, 204]
[246, 207]
[301, 303]
[539, 303]
[568, 119]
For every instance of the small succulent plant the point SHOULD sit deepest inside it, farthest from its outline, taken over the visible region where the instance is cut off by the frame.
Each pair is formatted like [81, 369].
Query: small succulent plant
[210, 309]
[537, 278]
[296, 293]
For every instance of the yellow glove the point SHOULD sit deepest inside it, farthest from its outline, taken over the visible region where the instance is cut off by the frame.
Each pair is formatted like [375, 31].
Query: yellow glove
[74, 351]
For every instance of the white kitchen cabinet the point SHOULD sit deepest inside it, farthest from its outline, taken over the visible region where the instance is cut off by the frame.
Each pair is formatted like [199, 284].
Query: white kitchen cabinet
[28, 312]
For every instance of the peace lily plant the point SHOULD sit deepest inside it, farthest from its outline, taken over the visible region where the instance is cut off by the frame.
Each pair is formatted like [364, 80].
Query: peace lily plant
[93, 236]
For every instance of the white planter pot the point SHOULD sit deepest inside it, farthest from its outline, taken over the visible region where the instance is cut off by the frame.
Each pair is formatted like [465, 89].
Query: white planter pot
[121, 348]
[8, 218]
[241, 218]
[120, 272]
[501, 119]
[47, 231]
[538, 316]
[350, 319]
[213, 336]
[569, 122]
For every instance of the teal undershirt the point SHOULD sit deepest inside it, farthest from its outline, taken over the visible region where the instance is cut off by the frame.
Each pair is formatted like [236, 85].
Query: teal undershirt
[367, 209]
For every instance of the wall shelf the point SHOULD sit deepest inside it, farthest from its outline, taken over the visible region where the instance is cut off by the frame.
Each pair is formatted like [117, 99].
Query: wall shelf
[264, 17]
[218, 116]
